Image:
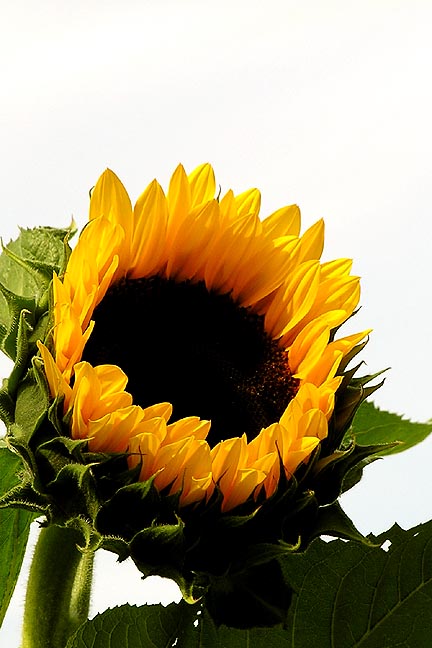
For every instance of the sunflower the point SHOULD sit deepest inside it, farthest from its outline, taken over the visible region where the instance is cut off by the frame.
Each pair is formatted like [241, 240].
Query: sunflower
[198, 341]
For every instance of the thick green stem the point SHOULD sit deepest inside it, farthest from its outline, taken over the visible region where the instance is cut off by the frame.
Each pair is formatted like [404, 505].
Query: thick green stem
[58, 590]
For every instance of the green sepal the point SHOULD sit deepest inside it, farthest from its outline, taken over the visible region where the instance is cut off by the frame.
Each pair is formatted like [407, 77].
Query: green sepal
[66, 476]
[338, 462]
[348, 400]
[342, 369]
[16, 441]
[58, 452]
[24, 330]
[197, 546]
[332, 520]
[24, 496]
[116, 545]
[9, 335]
[349, 396]
[161, 549]
[336, 473]
[32, 404]
[130, 509]
[90, 541]
[262, 553]
[72, 493]
[138, 521]
[7, 406]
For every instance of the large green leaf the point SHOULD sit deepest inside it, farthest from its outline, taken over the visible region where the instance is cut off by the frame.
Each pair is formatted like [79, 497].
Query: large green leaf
[372, 426]
[350, 595]
[14, 529]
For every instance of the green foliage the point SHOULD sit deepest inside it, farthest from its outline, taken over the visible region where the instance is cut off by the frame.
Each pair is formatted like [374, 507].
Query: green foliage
[374, 426]
[26, 268]
[348, 594]
[14, 529]
[32, 257]
[152, 626]
[345, 595]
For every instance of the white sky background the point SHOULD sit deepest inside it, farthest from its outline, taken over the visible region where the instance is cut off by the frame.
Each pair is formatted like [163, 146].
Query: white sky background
[325, 104]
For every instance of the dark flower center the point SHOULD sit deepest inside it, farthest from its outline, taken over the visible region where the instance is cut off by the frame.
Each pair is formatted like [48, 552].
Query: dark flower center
[200, 351]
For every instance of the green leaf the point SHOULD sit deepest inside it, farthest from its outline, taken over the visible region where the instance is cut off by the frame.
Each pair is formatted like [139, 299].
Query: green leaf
[149, 626]
[182, 625]
[205, 635]
[373, 426]
[26, 268]
[350, 595]
[14, 529]
[32, 257]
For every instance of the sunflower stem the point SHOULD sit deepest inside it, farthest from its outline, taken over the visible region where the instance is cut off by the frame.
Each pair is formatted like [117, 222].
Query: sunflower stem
[58, 590]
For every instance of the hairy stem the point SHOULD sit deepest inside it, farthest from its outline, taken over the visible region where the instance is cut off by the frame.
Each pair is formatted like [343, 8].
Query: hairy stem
[58, 590]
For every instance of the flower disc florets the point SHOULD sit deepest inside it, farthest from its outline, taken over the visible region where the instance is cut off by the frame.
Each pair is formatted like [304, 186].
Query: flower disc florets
[199, 350]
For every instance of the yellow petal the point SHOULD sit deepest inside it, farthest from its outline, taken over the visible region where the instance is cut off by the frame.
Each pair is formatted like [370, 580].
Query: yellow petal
[312, 242]
[308, 347]
[248, 202]
[228, 208]
[189, 249]
[283, 222]
[57, 384]
[149, 232]
[293, 300]
[179, 204]
[247, 480]
[191, 426]
[109, 198]
[202, 184]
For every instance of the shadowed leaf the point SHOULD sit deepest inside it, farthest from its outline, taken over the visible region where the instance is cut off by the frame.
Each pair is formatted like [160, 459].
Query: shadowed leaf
[14, 529]
[349, 595]
[149, 626]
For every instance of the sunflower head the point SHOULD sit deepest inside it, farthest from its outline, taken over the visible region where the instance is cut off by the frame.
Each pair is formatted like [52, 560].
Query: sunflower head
[183, 395]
